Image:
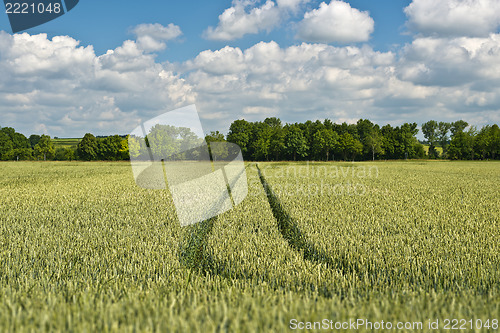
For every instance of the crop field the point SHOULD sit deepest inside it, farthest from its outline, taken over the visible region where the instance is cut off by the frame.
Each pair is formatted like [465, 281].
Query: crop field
[65, 143]
[82, 248]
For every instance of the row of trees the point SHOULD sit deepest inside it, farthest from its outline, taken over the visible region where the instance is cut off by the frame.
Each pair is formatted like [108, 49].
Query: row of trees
[15, 146]
[272, 140]
[461, 144]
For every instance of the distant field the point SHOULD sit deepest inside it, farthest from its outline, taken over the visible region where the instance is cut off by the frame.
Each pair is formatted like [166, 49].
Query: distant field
[82, 247]
[438, 149]
[65, 143]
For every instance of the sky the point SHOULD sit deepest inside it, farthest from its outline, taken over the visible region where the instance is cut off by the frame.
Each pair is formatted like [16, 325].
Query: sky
[107, 66]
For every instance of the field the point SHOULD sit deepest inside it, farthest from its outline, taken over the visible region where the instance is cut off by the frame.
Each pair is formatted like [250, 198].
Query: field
[65, 143]
[438, 149]
[83, 248]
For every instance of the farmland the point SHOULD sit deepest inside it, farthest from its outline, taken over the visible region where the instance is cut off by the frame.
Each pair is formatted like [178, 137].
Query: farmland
[65, 143]
[83, 248]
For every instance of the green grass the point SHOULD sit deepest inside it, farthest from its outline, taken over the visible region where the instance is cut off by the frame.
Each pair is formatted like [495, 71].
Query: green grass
[82, 248]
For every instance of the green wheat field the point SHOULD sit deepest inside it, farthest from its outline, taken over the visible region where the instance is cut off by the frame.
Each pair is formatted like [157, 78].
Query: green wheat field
[82, 248]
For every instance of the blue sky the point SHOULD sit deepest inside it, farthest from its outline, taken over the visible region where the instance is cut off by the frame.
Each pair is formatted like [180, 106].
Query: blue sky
[106, 66]
[106, 24]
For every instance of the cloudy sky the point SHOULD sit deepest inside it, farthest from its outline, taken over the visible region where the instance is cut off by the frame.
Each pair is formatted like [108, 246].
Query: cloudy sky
[106, 66]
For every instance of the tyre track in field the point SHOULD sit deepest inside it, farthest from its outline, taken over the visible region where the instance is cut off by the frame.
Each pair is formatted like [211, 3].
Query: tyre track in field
[195, 254]
[290, 230]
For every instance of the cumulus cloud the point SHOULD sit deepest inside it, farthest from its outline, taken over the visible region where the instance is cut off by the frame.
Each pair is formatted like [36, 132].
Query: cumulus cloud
[236, 21]
[317, 81]
[335, 22]
[474, 18]
[451, 62]
[67, 90]
[152, 37]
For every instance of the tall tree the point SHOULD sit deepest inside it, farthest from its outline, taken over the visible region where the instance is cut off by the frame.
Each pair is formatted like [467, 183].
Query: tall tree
[277, 137]
[462, 145]
[408, 144]
[457, 127]
[45, 148]
[295, 142]
[34, 139]
[87, 147]
[239, 133]
[215, 136]
[429, 129]
[374, 142]
[494, 146]
[325, 140]
[442, 134]
[6, 146]
[349, 146]
[216, 150]
[134, 147]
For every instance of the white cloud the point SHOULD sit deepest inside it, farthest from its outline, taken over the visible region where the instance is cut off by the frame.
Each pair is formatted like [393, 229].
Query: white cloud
[227, 60]
[292, 5]
[454, 17]
[235, 22]
[57, 86]
[317, 81]
[335, 22]
[152, 37]
[64, 89]
[451, 62]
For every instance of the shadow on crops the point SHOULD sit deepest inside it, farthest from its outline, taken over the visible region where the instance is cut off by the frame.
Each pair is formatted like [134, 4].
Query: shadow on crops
[290, 230]
[196, 255]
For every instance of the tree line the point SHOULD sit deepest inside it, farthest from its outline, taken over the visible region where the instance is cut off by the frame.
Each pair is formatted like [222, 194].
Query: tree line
[16, 146]
[271, 140]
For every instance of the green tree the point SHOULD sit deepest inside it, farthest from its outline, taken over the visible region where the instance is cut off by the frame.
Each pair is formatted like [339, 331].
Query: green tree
[349, 145]
[462, 145]
[216, 150]
[108, 148]
[262, 147]
[260, 141]
[6, 146]
[483, 142]
[494, 142]
[239, 133]
[277, 137]
[87, 147]
[44, 148]
[23, 154]
[295, 142]
[442, 135]
[457, 127]
[34, 139]
[374, 141]
[324, 141]
[134, 147]
[408, 143]
[124, 152]
[389, 142]
[429, 129]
